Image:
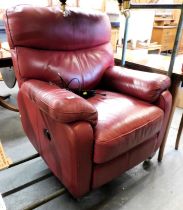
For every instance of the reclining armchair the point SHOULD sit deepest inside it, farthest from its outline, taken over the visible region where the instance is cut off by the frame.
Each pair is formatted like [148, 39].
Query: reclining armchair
[86, 141]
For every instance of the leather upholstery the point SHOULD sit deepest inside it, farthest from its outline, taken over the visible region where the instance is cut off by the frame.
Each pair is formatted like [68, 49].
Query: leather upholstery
[62, 40]
[60, 104]
[103, 173]
[68, 153]
[129, 123]
[86, 143]
[46, 65]
[164, 102]
[144, 85]
[58, 31]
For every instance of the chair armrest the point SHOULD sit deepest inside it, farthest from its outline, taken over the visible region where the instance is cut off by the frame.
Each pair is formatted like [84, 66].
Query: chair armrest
[60, 104]
[143, 85]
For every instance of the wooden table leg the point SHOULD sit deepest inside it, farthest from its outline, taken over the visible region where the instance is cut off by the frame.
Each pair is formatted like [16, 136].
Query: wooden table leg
[5, 97]
[7, 105]
[1, 77]
[175, 83]
[179, 133]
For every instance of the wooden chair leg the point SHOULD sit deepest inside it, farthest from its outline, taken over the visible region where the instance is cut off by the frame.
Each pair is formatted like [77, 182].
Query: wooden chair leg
[7, 105]
[179, 133]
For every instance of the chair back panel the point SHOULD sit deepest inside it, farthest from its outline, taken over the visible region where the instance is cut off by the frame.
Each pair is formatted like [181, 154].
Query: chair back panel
[49, 29]
[84, 67]
[46, 42]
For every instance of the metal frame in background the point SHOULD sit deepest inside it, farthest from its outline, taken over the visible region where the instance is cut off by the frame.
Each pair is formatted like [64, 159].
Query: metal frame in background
[178, 33]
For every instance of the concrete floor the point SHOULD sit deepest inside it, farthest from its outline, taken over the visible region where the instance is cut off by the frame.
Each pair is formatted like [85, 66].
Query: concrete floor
[2, 33]
[158, 188]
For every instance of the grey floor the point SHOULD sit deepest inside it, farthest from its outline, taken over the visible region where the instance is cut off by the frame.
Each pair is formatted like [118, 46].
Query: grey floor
[2, 33]
[158, 188]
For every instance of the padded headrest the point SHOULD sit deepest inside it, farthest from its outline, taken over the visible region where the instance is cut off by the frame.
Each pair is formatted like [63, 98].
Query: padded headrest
[48, 28]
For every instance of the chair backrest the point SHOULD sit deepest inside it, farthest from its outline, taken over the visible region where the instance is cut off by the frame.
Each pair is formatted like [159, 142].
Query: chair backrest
[45, 42]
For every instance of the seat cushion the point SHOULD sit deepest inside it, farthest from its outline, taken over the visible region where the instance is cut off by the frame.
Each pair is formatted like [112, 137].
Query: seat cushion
[123, 123]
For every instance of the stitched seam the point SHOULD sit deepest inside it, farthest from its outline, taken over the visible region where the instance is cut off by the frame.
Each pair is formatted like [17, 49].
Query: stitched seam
[16, 49]
[131, 85]
[66, 112]
[52, 108]
[164, 109]
[77, 167]
[63, 50]
[74, 174]
[81, 85]
[162, 97]
[63, 115]
[9, 28]
[80, 72]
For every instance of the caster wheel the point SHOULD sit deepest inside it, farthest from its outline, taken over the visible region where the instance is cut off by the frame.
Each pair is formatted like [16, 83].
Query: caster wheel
[147, 164]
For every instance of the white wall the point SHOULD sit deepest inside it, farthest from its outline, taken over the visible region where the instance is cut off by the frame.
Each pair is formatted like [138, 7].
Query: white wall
[140, 25]
[9, 3]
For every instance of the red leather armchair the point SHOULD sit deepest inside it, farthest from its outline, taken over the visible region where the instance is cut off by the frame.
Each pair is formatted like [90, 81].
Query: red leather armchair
[85, 142]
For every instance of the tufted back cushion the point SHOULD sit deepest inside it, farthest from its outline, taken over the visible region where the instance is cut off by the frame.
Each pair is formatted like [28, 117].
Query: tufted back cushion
[45, 42]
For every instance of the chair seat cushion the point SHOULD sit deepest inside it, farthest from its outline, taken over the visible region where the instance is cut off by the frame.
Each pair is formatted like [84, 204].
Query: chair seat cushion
[123, 123]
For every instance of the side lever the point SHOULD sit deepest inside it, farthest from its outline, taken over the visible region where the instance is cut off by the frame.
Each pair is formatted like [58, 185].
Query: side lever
[47, 134]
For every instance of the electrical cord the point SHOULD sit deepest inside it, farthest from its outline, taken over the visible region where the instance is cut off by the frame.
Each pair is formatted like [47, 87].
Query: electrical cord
[83, 93]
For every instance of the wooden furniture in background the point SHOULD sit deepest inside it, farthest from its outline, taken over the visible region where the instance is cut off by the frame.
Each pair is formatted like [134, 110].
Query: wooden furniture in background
[154, 48]
[165, 36]
[180, 48]
[164, 20]
[180, 98]
[114, 37]
[176, 12]
[165, 28]
[5, 61]
[176, 15]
